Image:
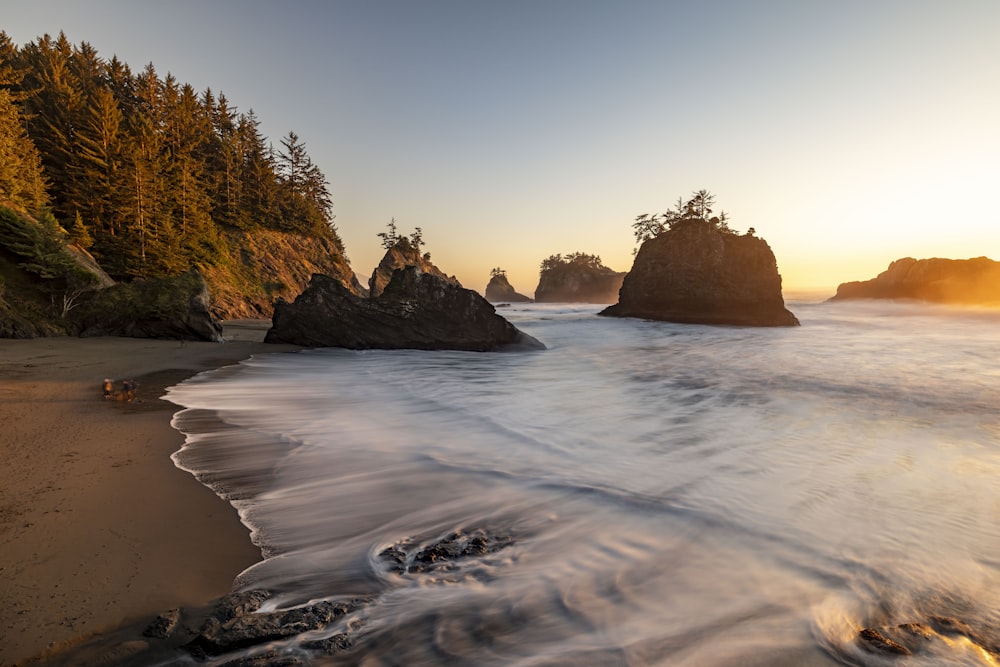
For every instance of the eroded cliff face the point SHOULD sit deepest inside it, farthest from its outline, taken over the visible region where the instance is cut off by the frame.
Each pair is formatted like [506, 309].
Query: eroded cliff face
[500, 290]
[263, 265]
[696, 273]
[973, 281]
[572, 283]
[400, 256]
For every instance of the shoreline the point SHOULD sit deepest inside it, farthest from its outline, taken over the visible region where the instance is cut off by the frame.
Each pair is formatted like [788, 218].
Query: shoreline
[100, 527]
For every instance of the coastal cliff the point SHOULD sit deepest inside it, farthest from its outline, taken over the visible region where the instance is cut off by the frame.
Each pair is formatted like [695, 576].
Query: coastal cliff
[973, 281]
[577, 278]
[261, 265]
[694, 272]
[499, 290]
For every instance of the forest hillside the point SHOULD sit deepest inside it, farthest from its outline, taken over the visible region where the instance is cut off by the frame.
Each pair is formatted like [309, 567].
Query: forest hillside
[152, 178]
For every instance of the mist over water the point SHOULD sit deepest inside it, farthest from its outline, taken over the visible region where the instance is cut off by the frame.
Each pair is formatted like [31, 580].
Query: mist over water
[674, 494]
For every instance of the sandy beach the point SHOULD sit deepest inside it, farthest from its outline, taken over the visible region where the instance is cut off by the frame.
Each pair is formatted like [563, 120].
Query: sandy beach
[98, 526]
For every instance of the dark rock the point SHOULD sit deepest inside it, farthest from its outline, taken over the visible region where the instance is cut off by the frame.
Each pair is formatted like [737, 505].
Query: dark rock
[499, 289]
[454, 547]
[164, 625]
[267, 659]
[415, 311]
[251, 629]
[239, 604]
[400, 256]
[169, 308]
[696, 273]
[959, 281]
[876, 641]
[581, 279]
[338, 643]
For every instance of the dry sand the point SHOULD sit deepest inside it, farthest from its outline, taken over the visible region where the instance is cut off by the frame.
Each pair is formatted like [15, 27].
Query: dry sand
[97, 526]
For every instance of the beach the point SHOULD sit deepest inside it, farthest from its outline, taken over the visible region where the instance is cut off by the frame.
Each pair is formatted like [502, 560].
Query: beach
[98, 526]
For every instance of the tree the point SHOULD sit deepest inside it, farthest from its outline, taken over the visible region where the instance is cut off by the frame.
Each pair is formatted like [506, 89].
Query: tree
[22, 179]
[390, 236]
[498, 273]
[78, 233]
[417, 239]
[699, 207]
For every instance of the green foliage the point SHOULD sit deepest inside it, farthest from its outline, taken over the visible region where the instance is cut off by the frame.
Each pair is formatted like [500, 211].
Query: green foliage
[154, 170]
[40, 247]
[22, 181]
[699, 207]
[578, 259]
[390, 236]
[154, 299]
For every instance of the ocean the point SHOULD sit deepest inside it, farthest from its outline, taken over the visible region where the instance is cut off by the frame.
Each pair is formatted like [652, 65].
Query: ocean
[653, 493]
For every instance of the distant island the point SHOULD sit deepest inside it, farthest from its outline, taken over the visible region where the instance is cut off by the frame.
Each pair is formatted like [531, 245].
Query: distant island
[973, 281]
[577, 278]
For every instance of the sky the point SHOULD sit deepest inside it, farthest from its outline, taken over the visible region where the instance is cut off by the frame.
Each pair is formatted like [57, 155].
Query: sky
[847, 133]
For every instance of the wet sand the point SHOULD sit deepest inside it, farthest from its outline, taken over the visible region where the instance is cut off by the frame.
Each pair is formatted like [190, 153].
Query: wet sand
[98, 527]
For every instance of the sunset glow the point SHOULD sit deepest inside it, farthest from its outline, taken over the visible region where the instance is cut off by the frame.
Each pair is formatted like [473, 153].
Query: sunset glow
[848, 134]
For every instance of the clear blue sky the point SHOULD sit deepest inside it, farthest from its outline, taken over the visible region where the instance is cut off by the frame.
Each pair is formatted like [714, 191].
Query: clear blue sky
[848, 133]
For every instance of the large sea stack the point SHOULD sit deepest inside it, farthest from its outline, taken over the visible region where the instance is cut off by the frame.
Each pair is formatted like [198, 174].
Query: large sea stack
[698, 273]
[577, 278]
[499, 290]
[415, 310]
[960, 281]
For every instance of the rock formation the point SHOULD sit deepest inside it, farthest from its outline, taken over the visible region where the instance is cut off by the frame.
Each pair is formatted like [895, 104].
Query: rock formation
[176, 308]
[578, 278]
[400, 256]
[696, 273]
[500, 290]
[959, 281]
[416, 310]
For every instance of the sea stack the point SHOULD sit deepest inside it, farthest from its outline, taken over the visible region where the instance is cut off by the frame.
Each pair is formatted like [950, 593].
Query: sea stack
[973, 281]
[697, 272]
[577, 278]
[401, 254]
[499, 290]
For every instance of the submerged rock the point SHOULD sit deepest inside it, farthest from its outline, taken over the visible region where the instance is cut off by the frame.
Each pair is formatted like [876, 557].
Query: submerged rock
[405, 558]
[415, 311]
[960, 281]
[218, 637]
[699, 274]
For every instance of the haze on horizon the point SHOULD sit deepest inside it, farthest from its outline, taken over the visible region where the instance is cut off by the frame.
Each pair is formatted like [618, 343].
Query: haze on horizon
[848, 133]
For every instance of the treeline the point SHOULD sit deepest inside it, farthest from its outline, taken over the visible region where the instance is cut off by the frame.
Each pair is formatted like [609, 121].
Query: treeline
[141, 169]
[579, 259]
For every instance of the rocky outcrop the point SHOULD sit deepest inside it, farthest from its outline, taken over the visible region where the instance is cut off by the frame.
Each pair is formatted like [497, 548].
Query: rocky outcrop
[400, 256]
[696, 273]
[577, 279]
[416, 310]
[500, 290]
[262, 265]
[171, 308]
[959, 281]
